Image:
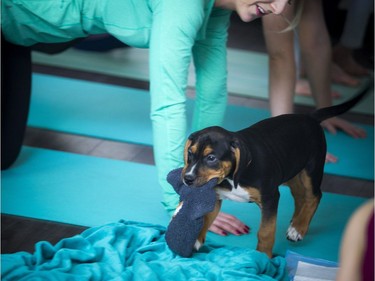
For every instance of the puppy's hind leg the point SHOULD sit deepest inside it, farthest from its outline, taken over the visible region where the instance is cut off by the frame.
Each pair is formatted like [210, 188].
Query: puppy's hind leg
[306, 192]
[298, 191]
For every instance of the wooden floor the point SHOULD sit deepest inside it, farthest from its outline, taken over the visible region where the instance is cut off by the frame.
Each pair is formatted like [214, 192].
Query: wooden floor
[20, 234]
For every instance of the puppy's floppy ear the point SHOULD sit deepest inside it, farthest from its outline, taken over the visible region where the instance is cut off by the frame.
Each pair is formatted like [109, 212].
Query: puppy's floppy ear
[192, 136]
[188, 143]
[186, 149]
[242, 158]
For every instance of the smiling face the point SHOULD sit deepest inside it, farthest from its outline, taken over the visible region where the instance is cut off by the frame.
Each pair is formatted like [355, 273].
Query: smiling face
[249, 10]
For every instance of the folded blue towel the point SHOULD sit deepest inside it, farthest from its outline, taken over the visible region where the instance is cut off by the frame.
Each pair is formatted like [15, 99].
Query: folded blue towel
[135, 251]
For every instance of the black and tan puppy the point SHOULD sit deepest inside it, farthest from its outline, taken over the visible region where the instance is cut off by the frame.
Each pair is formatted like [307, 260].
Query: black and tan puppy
[252, 163]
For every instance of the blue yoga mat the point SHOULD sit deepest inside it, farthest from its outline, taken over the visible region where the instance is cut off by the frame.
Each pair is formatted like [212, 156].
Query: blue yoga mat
[92, 191]
[122, 114]
[247, 71]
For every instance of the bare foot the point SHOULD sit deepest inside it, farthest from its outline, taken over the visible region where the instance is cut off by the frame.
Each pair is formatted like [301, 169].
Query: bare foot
[303, 89]
[339, 76]
[337, 123]
[343, 57]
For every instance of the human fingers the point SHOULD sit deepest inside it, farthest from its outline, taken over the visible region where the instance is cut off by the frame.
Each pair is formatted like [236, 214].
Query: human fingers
[335, 94]
[352, 130]
[217, 230]
[330, 158]
[334, 124]
[327, 124]
[225, 223]
[347, 127]
[355, 132]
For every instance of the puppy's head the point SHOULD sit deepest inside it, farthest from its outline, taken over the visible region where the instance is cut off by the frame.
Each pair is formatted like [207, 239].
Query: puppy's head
[212, 153]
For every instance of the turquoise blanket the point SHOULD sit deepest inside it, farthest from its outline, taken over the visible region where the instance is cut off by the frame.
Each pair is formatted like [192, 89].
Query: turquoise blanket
[136, 251]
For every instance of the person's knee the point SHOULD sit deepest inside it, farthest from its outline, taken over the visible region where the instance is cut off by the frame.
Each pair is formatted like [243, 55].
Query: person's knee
[15, 96]
[8, 158]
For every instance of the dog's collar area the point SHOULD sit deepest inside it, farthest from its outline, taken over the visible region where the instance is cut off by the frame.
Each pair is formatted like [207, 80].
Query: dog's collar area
[227, 184]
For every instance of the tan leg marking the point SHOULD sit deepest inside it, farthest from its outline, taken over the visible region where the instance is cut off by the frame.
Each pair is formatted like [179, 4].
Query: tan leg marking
[306, 204]
[254, 195]
[266, 236]
[298, 191]
[208, 220]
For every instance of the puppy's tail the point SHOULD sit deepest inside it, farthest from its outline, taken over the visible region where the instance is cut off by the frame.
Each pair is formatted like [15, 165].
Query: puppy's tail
[328, 112]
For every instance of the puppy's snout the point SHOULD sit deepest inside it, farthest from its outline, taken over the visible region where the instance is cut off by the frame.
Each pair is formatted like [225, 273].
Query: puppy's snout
[189, 179]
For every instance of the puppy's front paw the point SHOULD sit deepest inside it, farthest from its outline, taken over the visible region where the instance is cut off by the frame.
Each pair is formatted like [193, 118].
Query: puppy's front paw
[293, 235]
[197, 245]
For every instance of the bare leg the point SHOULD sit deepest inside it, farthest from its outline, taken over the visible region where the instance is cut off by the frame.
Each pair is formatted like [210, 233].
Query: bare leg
[282, 67]
[316, 55]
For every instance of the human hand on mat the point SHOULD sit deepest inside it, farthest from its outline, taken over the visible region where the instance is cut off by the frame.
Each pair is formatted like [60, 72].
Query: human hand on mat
[330, 158]
[226, 223]
[337, 123]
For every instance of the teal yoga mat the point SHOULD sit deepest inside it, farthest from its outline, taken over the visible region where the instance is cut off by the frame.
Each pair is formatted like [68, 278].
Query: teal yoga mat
[247, 71]
[92, 191]
[122, 114]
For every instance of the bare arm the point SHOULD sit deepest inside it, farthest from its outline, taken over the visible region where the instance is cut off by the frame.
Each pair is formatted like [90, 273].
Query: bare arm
[353, 244]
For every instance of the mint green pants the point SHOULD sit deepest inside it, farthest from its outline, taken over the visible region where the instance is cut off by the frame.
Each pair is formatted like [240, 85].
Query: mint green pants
[173, 38]
[170, 134]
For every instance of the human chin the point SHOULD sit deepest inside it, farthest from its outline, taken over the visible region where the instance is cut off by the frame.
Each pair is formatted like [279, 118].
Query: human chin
[247, 17]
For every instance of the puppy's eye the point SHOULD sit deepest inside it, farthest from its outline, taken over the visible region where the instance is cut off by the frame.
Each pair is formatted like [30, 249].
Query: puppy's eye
[211, 158]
